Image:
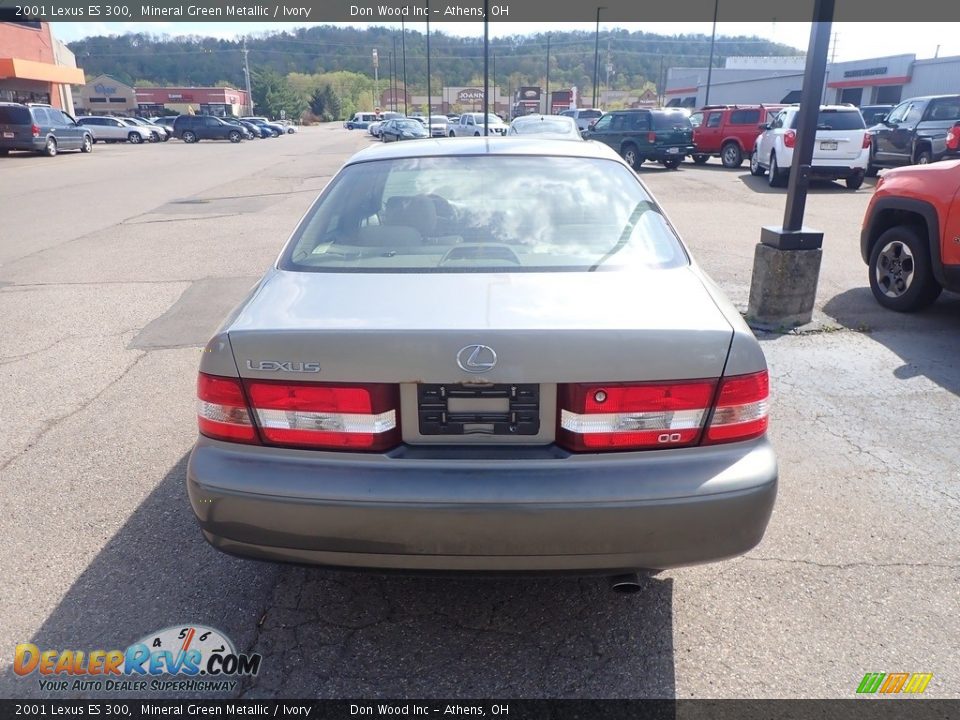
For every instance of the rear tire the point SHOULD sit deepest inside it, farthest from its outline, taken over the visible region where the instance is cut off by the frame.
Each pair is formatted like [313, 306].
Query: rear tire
[700, 159]
[50, 149]
[854, 181]
[86, 145]
[234, 136]
[755, 169]
[189, 136]
[671, 164]
[731, 156]
[134, 138]
[632, 156]
[923, 157]
[901, 275]
[776, 177]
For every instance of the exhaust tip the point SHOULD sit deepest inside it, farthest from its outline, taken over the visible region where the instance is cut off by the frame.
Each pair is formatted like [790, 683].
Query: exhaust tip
[626, 584]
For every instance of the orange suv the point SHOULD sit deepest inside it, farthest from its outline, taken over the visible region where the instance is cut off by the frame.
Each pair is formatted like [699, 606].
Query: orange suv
[728, 131]
[910, 238]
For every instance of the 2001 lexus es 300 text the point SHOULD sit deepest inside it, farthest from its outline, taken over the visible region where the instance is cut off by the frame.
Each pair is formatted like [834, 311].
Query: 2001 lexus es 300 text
[484, 355]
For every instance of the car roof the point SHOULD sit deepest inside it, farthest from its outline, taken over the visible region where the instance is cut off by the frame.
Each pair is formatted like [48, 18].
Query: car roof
[514, 145]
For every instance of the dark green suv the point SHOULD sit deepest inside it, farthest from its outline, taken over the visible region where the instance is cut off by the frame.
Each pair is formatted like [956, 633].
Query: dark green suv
[663, 136]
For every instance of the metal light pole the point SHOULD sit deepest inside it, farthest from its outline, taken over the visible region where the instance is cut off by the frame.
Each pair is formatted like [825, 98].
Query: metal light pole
[246, 73]
[376, 79]
[403, 46]
[486, 69]
[596, 58]
[394, 72]
[713, 39]
[549, 105]
[429, 86]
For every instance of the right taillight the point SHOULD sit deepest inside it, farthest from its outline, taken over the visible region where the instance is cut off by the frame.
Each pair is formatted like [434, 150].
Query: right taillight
[741, 410]
[866, 141]
[789, 138]
[953, 137]
[35, 130]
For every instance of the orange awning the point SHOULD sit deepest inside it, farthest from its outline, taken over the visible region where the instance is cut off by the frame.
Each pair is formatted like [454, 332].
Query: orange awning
[42, 72]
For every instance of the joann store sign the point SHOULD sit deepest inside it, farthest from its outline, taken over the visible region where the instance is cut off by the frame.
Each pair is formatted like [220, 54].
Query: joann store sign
[470, 95]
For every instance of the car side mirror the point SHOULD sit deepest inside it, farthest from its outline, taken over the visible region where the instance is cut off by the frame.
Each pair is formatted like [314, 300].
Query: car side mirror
[764, 126]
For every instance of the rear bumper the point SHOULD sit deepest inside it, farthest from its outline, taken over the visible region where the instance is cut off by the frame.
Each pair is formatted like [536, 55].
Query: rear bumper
[679, 153]
[37, 144]
[835, 172]
[575, 513]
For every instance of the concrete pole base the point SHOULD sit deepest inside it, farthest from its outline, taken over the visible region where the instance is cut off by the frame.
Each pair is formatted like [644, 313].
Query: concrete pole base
[783, 287]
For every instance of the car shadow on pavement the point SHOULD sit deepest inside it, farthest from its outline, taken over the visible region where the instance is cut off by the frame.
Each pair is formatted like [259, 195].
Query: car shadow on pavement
[155, 572]
[817, 187]
[926, 341]
[337, 634]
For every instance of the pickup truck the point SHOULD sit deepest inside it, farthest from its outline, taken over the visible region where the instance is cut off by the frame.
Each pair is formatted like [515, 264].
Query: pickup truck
[471, 124]
[915, 132]
[910, 238]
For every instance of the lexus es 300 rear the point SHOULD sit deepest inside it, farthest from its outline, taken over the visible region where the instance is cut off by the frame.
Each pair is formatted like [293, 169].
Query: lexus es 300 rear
[484, 355]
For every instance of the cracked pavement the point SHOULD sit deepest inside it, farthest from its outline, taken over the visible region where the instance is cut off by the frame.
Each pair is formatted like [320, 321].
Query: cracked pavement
[107, 297]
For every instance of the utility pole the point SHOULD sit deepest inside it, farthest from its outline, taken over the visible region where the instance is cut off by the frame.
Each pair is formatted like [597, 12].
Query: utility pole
[660, 83]
[549, 104]
[403, 46]
[493, 74]
[429, 86]
[246, 73]
[486, 69]
[376, 79]
[713, 40]
[596, 58]
[609, 65]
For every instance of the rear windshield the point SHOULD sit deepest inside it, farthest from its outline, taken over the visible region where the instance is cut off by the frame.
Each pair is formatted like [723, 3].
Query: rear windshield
[15, 116]
[671, 121]
[483, 214]
[546, 125]
[590, 113]
[835, 120]
[945, 109]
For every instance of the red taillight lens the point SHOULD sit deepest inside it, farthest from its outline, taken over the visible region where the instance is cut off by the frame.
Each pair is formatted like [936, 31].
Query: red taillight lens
[742, 409]
[332, 415]
[222, 411]
[789, 138]
[651, 137]
[866, 141]
[35, 129]
[632, 416]
[953, 137]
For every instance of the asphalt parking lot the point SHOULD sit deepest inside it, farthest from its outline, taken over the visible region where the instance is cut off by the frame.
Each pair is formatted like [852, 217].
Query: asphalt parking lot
[116, 266]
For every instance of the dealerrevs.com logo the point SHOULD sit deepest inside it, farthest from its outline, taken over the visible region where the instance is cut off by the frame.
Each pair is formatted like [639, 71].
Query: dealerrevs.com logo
[199, 658]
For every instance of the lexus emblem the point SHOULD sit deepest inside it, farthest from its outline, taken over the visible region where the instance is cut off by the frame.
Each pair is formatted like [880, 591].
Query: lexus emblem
[476, 358]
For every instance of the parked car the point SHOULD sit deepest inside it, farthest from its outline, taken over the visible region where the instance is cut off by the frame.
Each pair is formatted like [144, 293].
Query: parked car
[272, 127]
[909, 238]
[728, 131]
[360, 121]
[402, 129]
[662, 135]
[411, 387]
[553, 126]
[374, 127]
[255, 130]
[873, 114]
[157, 133]
[247, 134]
[288, 125]
[584, 117]
[193, 128]
[915, 132]
[153, 134]
[166, 122]
[40, 128]
[111, 129]
[439, 126]
[472, 124]
[841, 149]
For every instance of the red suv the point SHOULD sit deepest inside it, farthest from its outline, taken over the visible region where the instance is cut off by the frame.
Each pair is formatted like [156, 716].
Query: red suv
[729, 131]
[911, 235]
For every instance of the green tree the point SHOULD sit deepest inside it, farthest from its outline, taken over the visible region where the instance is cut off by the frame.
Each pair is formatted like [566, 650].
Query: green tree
[273, 96]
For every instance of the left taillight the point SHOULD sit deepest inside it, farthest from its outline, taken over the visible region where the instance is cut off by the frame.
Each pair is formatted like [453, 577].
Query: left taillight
[331, 416]
[632, 416]
[742, 408]
[790, 138]
[222, 411]
[953, 137]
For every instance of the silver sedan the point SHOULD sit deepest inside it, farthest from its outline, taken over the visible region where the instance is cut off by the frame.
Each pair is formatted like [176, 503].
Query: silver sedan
[484, 354]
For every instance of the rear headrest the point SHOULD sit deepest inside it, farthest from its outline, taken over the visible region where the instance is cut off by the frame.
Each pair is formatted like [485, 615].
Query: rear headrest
[417, 211]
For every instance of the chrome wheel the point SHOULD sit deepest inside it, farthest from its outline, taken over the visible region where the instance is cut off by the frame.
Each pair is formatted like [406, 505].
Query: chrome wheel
[51, 149]
[87, 145]
[894, 269]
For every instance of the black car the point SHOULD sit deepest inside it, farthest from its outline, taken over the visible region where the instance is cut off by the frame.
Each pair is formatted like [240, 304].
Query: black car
[40, 128]
[915, 132]
[873, 114]
[192, 128]
[165, 122]
[402, 129]
[664, 136]
[248, 134]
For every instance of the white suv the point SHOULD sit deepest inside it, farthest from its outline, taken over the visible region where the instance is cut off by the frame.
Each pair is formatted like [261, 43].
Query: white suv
[472, 124]
[841, 150]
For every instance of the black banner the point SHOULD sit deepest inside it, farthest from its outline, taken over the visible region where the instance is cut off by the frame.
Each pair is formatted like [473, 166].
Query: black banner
[468, 10]
[853, 709]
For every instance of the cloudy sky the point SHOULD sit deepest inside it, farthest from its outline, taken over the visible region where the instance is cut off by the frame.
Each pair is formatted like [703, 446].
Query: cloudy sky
[854, 41]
